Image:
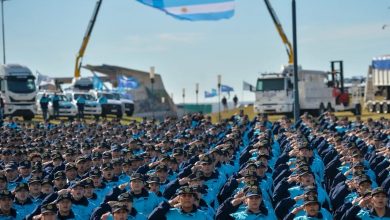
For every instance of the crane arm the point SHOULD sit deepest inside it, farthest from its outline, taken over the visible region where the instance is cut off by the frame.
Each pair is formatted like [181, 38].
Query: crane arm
[87, 35]
[280, 30]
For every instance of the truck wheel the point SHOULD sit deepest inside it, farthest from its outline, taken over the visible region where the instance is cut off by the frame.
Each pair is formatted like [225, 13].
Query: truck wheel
[370, 107]
[28, 117]
[378, 108]
[329, 107]
[385, 108]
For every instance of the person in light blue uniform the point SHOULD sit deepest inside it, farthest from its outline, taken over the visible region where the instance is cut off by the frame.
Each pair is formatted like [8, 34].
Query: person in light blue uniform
[7, 212]
[22, 203]
[312, 210]
[125, 201]
[255, 208]
[378, 202]
[182, 207]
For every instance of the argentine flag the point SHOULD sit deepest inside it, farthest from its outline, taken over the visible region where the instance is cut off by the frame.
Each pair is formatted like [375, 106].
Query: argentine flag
[194, 10]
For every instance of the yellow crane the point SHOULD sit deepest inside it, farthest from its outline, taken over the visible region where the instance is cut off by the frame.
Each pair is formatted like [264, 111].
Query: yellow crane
[280, 30]
[80, 55]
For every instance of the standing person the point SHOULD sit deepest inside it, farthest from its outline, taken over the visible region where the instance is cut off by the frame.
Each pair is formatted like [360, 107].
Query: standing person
[235, 100]
[56, 105]
[224, 103]
[44, 102]
[80, 105]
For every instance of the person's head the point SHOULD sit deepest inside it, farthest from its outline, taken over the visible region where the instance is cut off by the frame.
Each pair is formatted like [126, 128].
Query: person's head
[21, 191]
[162, 172]
[64, 203]
[77, 190]
[49, 212]
[364, 185]
[3, 182]
[207, 165]
[187, 197]
[306, 178]
[11, 171]
[253, 198]
[96, 177]
[34, 186]
[108, 171]
[6, 200]
[71, 171]
[305, 151]
[379, 198]
[60, 180]
[47, 186]
[137, 182]
[154, 184]
[311, 206]
[88, 187]
[120, 211]
[126, 199]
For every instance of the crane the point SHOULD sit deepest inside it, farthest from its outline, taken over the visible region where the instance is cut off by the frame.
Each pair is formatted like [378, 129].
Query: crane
[87, 35]
[280, 30]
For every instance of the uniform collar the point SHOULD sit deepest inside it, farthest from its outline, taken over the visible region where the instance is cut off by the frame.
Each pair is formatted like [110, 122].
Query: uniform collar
[12, 213]
[70, 216]
[28, 201]
[387, 212]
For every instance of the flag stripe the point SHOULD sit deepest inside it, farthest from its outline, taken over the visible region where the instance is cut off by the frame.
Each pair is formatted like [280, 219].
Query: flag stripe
[201, 9]
[180, 3]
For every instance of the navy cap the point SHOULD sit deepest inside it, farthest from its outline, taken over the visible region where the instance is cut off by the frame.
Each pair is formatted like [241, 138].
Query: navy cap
[253, 191]
[63, 197]
[49, 208]
[107, 155]
[88, 183]
[47, 180]
[70, 166]
[60, 175]
[77, 184]
[95, 172]
[161, 167]
[21, 186]
[249, 173]
[207, 159]
[364, 179]
[118, 207]
[34, 179]
[96, 155]
[125, 197]
[198, 175]
[107, 166]
[6, 194]
[10, 166]
[178, 151]
[378, 190]
[186, 190]
[25, 164]
[137, 176]
[153, 179]
[309, 199]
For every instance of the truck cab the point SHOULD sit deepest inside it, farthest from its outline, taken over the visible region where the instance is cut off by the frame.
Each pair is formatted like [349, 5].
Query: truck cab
[18, 91]
[92, 107]
[113, 105]
[66, 107]
[127, 103]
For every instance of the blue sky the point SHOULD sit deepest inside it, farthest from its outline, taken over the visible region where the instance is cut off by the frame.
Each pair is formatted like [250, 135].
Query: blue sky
[45, 35]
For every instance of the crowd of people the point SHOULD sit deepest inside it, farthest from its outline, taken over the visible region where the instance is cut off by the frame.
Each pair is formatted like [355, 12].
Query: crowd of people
[191, 168]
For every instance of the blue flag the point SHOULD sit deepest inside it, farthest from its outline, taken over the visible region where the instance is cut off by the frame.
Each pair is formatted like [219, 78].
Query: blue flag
[97, 83]
[211, 94]
[194, 10]
[125, 83]
[225, 88]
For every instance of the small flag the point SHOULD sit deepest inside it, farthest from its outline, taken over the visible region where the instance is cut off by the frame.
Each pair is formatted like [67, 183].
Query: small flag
[194, 10]
[225, 88]
[125, 83]
[246, 86]
[211, 94]
[97, 83]
[43, 80]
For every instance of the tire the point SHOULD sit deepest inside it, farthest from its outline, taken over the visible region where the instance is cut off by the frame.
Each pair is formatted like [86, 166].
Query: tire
[385, 108]
[378, 108]
[28, 117]
[370, 107]
[329, 107]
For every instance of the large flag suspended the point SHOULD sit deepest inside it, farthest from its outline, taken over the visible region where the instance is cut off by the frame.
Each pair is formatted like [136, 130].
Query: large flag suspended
[194, 10]
[125, 83]
[211, 94]
[246, 86]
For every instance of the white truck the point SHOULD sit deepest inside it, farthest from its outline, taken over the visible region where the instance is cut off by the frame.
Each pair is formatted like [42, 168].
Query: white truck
[113, 106]
[377, 89]
[66, 107]
[275, 93]
[92, 107]
[18, 91]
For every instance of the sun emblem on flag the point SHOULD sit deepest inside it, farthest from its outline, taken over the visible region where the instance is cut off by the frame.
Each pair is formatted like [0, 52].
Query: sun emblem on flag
[184, 10]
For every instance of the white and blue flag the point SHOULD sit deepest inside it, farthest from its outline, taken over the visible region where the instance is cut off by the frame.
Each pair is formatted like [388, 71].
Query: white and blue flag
[194, 10]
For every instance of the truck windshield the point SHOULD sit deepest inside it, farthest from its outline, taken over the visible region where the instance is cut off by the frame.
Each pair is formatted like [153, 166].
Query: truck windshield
[270, 84]
[109, 96]
[21, 84]
[86, 97]
[61, 98]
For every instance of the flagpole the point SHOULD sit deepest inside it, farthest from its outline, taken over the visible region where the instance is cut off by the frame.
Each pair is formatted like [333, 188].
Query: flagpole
[219, 98]
[296, 92]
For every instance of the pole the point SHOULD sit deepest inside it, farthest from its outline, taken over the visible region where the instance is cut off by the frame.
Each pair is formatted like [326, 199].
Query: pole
[197, 92]
[219, 97]
[184, 101]
[3, 30]
[152, 75]
[296, 92]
